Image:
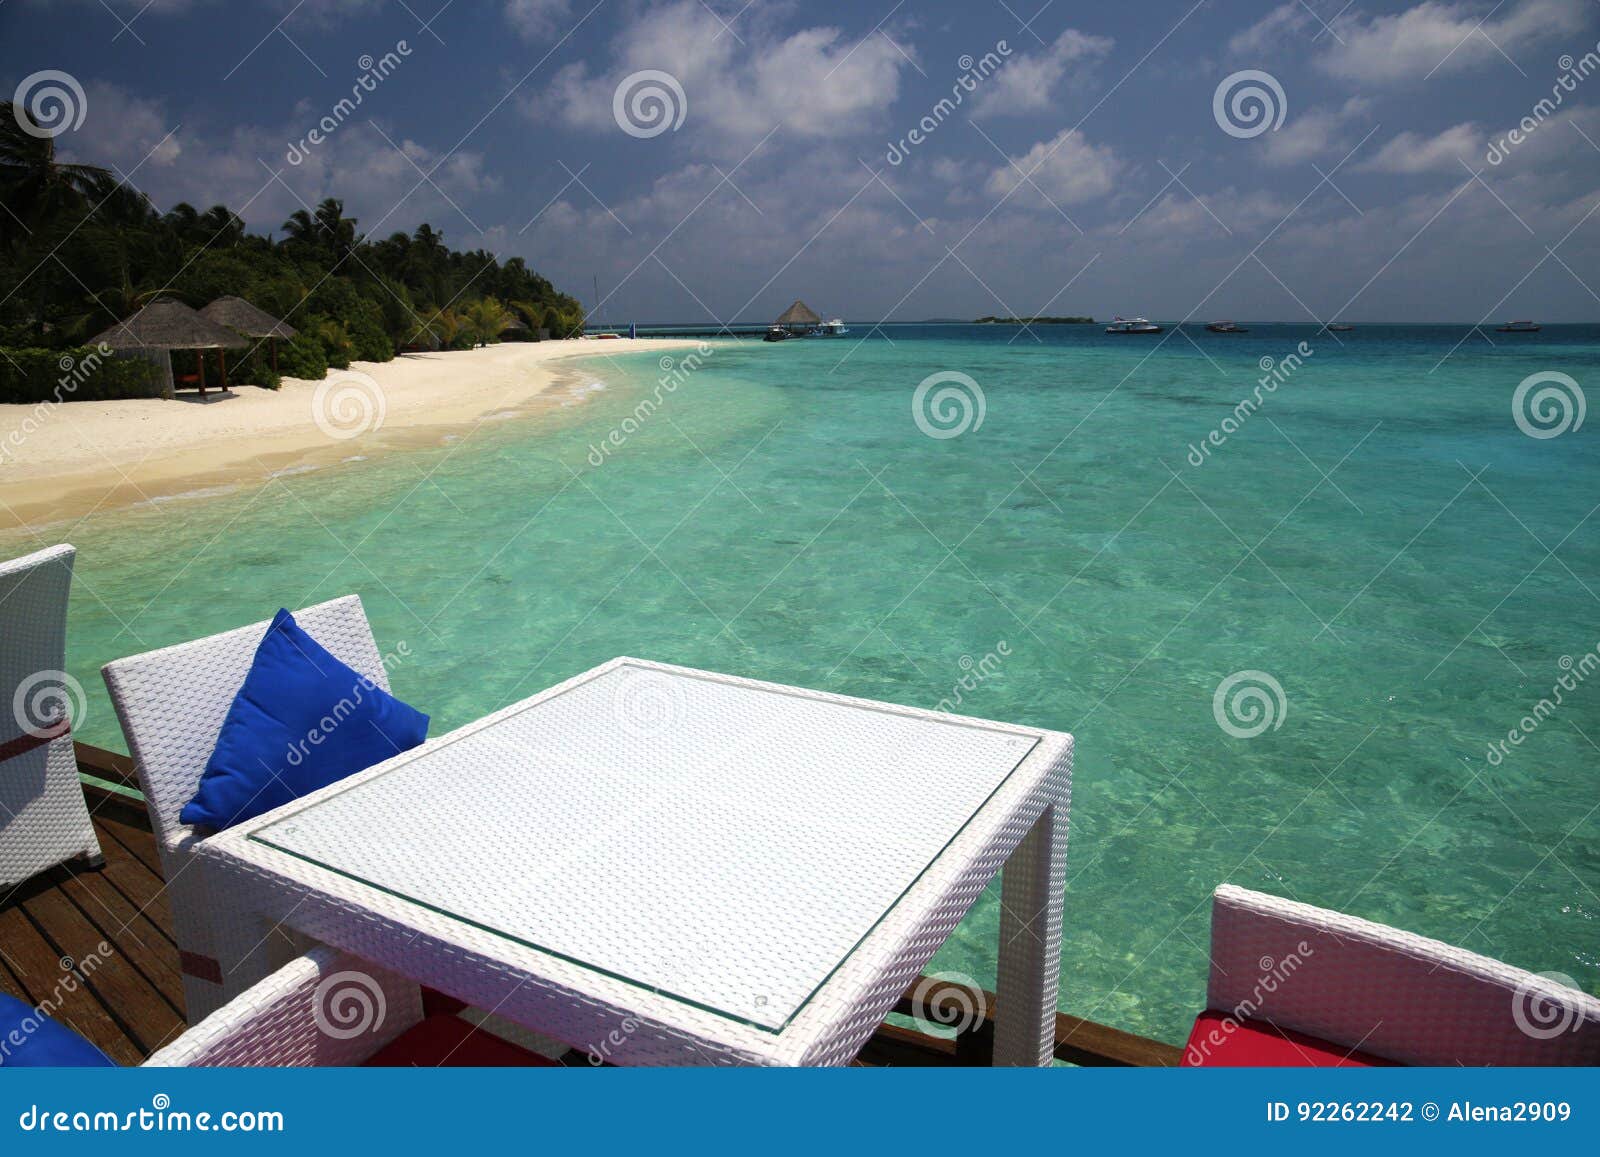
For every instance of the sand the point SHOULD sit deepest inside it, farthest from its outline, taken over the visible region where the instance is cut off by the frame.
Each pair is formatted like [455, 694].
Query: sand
[65, 461]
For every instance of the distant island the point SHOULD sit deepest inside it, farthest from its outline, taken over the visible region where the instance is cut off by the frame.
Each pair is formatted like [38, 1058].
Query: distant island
[1035, 321]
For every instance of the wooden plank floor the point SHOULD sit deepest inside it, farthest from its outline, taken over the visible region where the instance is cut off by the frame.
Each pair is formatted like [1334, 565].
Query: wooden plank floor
[96, 945]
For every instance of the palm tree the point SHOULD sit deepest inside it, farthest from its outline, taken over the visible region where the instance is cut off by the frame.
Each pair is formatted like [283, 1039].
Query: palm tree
[486, 317]
[221, 226]
[300, 229]
[34, 186]
[339, 231]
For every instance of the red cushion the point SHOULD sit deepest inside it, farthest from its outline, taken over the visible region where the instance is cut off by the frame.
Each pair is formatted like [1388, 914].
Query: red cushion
[1219, 1041]
[450, 1042]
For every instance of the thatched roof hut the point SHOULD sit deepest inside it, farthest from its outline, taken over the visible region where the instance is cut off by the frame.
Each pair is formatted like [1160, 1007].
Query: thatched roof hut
[240, 316]
[166, 325]
[799, 314]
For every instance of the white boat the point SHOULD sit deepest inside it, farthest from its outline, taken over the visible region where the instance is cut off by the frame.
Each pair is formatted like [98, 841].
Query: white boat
[1132, 325]
[833, 328]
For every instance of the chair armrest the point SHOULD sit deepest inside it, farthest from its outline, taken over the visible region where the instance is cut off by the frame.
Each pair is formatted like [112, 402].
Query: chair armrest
[1388, 992]
[325, 1008]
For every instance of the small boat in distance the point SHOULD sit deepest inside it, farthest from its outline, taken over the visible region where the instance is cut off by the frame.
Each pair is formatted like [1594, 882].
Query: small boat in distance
[833, 328]
[1132, 325]
[1519, 327]
[1339, 327]
[1225, 327]
[776, 333]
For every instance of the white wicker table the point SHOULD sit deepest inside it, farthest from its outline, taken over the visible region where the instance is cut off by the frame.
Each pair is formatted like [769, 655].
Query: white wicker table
[666, 866]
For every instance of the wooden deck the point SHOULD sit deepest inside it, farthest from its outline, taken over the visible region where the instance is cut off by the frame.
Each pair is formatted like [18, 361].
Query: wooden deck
[96, 945]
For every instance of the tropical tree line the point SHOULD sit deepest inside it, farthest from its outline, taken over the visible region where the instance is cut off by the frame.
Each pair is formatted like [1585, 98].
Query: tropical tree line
[81, 249]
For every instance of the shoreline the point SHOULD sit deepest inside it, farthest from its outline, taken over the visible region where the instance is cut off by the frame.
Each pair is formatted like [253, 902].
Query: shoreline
[84, 457]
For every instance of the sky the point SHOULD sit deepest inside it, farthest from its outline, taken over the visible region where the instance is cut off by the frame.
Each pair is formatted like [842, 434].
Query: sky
[715, 159]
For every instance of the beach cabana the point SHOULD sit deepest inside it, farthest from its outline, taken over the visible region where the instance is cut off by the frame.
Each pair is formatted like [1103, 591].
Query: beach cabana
[515, 329]
[166, 325]
[240, 316]
[798, 318]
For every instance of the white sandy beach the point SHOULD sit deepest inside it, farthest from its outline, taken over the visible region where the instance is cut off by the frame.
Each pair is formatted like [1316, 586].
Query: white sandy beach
[62, 461]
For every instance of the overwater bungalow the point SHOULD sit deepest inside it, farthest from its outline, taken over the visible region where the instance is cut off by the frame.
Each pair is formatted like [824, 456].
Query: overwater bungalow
[798, 320]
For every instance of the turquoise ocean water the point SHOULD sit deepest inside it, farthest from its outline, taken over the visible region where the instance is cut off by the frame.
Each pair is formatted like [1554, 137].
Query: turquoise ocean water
[1378, 536]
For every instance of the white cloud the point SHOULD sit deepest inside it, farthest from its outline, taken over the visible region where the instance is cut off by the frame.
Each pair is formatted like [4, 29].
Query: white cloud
[1447, 37]
[1274, 30]
[380, 182]
[1027, 81]
[1066, 168]
[540, 19]
[1313, 133]
[815, 83]
[1413, 152]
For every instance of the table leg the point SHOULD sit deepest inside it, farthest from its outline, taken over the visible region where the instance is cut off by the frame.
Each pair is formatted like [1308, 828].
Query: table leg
[1030, 943]
[249, 949]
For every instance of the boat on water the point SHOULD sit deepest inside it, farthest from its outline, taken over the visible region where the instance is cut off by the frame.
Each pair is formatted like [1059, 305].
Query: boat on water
[1132, 325]
[777, 333]
[1519, 327]
[1226, 327]
[834, 328]
[1339, 327]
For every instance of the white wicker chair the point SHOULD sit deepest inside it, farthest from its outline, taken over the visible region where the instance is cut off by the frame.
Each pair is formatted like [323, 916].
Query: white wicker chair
[1390, 993]
[322, 1009]
[171, 704]
[43, 818]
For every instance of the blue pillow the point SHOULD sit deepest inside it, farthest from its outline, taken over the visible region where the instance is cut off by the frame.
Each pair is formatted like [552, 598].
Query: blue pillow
[31, 1040]
[301, 721]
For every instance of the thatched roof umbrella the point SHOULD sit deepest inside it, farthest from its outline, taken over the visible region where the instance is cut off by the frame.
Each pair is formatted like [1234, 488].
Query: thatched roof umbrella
[799, 316]
[240, 316]
[166, 325]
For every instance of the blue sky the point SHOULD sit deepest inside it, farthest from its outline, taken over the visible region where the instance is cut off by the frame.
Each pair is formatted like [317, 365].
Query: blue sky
[1086, 169]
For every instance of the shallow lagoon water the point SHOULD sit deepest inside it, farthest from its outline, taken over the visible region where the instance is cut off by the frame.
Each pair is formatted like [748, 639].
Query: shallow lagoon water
[1379, 537]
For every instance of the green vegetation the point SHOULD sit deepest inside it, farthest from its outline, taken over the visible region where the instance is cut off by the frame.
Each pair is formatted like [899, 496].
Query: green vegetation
[64, 375]
[1034, 321]
[79, 250]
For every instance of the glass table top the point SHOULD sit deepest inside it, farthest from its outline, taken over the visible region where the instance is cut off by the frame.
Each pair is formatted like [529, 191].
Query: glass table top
[725, 846]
